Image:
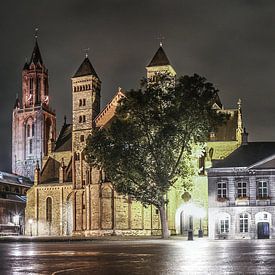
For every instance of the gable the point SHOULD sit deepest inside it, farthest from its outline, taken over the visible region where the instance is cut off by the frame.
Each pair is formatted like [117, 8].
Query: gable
[267, 163]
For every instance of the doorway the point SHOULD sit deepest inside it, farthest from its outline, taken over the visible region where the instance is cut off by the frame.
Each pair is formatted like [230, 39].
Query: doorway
[263, 230]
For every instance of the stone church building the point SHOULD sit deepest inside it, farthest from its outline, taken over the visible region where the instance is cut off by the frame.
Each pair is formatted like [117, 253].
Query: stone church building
[71, 198]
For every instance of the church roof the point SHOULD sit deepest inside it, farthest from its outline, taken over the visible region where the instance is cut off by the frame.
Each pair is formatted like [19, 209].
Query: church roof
[160, 58]
[36, 55]
[86, 68]
[64, 141]
[247, 155]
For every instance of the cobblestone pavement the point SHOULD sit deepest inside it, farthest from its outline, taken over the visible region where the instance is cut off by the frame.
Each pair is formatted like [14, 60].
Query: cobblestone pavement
[176, 256]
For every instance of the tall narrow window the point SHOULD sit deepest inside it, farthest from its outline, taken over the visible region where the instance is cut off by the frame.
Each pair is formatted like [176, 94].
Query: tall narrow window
[84, 118]
[262, 189]
[224, 225]
[80, 119]
[84, 102]
[30, 146]
[222, 189]
[31, 85]
[32, 129]
[28, 130]
[80, 102]
[242, 189]
[244, 223]
[49, 209]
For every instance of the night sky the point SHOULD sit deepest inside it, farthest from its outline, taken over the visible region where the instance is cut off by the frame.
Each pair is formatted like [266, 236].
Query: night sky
[231, 43]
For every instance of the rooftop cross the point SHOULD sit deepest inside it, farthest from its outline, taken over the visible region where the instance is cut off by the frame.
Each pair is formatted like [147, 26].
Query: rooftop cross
[161, 39]
[86, 52]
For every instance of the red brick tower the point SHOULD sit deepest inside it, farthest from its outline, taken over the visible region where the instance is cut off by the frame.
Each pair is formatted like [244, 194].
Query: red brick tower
[34, 123]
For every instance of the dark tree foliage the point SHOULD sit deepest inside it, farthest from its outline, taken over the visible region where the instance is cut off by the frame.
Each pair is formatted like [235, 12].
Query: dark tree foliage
[146, 147]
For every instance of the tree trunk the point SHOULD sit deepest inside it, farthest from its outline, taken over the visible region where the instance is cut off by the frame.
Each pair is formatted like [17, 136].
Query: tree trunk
[164, 225]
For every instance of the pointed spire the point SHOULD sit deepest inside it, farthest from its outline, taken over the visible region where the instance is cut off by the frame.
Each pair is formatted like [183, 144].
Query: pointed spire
[160, 58]
[86, 68]
[36, 55]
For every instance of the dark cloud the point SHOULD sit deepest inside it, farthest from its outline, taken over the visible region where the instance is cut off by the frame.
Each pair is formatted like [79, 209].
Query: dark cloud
[230, 42]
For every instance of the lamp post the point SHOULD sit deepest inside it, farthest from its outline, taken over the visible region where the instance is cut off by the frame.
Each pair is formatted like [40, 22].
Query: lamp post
[194, 211]
[31, 222]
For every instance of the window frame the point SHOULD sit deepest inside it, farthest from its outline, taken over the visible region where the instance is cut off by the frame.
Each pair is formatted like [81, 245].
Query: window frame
[261, 194]
[242, 190]
[222, 190]
[243, 223]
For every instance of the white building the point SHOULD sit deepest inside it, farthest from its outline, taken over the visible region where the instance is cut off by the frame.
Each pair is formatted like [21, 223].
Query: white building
[241, 192]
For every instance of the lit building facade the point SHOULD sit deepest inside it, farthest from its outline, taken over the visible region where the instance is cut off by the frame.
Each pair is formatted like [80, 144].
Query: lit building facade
[241, 191]
[71, 198]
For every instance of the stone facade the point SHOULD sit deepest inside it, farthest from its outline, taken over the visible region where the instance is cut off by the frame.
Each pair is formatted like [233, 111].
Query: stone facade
[242, 194]
[70, 197]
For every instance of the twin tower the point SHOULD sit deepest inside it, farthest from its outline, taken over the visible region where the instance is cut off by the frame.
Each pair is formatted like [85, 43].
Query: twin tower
[34, 122]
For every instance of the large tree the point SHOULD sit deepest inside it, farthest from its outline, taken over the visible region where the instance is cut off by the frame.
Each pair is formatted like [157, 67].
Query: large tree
[148, 144]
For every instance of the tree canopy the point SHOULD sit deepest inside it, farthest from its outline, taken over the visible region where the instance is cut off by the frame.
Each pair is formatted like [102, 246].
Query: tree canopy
[148, 144]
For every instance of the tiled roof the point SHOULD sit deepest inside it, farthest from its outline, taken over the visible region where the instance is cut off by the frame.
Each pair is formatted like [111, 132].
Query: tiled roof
[160, 58]
[64, 141]
[247, 155]
[86, 68]
[14, 179]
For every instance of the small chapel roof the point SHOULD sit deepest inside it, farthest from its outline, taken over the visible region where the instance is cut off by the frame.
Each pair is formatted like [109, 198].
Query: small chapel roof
[86, 68]
[160, 58]
[64, 141]
[247, 155]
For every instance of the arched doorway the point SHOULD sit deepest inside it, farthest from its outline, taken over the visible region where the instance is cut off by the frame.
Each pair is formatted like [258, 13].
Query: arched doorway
[186, 215]
[68, 216]
[263, 221]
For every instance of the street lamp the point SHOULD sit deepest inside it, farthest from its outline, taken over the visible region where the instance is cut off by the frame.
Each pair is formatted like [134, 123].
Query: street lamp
[194, 211]
[31, 222]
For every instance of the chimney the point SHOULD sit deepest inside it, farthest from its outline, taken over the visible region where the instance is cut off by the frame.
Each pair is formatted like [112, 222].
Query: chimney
[62, 172]
[37, 174]
[244, 137]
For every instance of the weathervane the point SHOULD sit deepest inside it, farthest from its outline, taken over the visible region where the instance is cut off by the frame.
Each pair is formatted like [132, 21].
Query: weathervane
[86, 52]
[161, 39]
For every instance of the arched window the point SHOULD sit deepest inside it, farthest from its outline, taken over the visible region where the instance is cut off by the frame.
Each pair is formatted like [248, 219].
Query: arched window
[33, 129]
[80, 119]
[84, 118]
[84, 102]
[80, 102]
[244, 223]
[49, 209]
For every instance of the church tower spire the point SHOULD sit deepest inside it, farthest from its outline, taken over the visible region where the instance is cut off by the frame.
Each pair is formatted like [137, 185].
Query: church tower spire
[35, 88]
[34, 123]
[160, 64]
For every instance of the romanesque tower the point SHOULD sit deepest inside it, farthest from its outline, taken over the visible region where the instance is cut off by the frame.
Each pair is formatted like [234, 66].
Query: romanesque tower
[159, 64]
[86, 106]
[34, 123]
